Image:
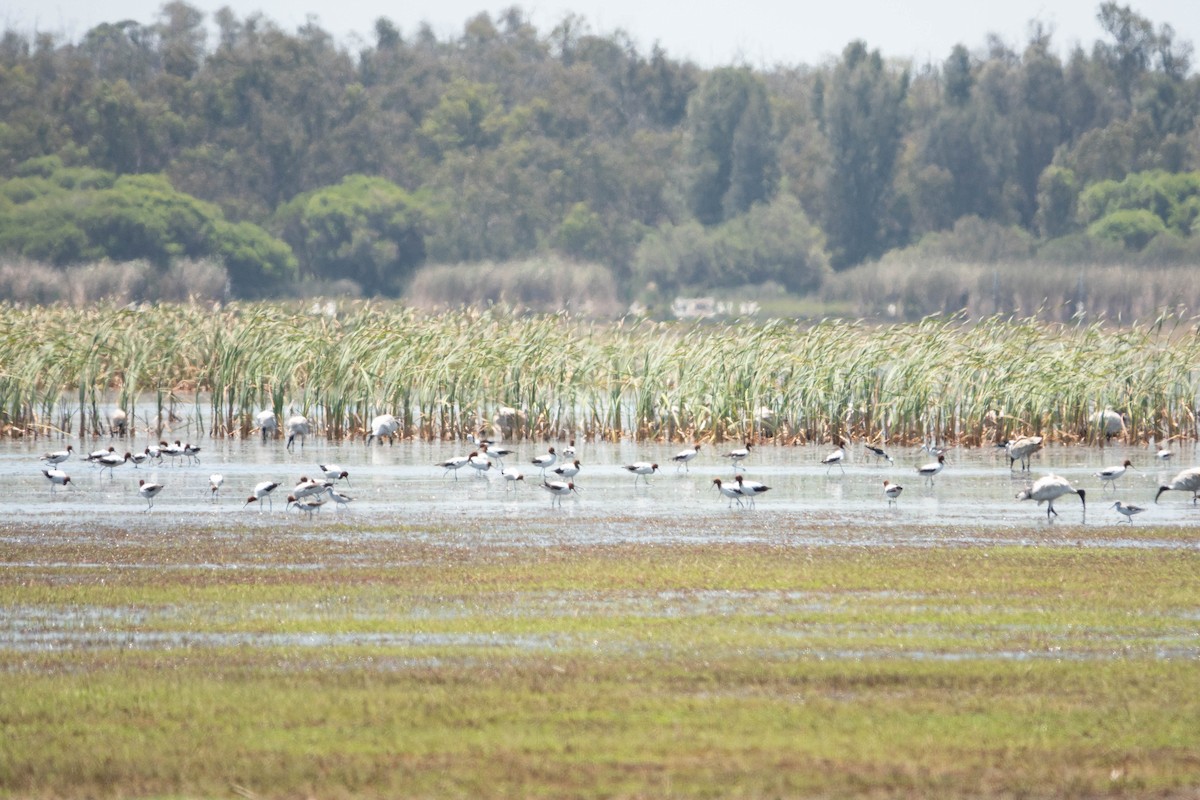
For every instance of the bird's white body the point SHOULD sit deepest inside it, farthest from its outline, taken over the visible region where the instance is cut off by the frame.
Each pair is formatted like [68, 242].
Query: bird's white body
[1109, 475]
[306, 504]
[309, 488]
[732, 492]
[149, 491]
[384, 425]
[569, 450]
[57, 478]
[751, 489]
[1049, 488]
[495, 452]
[479, 463]
[835, 458]
[262, 491]
[684, 456]
[214, 484]
[1127, 510]
[641, 469]
[510, 477]
[341, 500]
[266, 423]
[334, 472]
[58, 456]
[879, 452]
[546, 460]
[892, 491]
[738, 456]
[568, 471]
[456, 463]
[558, 489]
[927, 471]
[297, 428]
[1021, 449]
[1186, 481]
[111, 461]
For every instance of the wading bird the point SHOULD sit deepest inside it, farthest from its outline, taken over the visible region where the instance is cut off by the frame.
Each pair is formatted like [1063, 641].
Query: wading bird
[835, 458]
[738, 456]
[214, 485]
[682, 458]
[641, 469]
[751, 489]
[892, 492]
[266, 423]
[149, 491]
[1048, 489]
[57, 478]
[927, 471]
[262, 491]
[1186, 481]
[1109, 475]
[297, 426]
[544, 462]
[558, 489]
[384, 425]
[58, 456]
[732, 492]
[1127, 510]
[1021, 449]
[879, 452]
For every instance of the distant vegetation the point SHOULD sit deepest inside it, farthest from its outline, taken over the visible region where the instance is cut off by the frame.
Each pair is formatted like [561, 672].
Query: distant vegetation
[299, 165]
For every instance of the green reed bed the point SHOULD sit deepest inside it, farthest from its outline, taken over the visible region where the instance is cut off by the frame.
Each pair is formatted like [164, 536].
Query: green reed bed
[618, 671]
[446, 375]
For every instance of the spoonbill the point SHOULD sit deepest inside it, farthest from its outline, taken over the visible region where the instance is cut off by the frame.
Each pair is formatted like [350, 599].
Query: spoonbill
[1186, 481]
[1049, 488]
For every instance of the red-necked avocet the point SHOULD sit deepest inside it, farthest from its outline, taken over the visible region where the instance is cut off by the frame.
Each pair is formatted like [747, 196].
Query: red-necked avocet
[545, 461]
[262, 491]
[751, 489]
[112, 461]
[455, 464]
[879, 452]
[334, 472]
[1186, 481]
[214, 485]
[927, 471]
[309, 488]
[568, 471]
[641, 469]
[558, 490]
[510, 477]
[56, 477]
[682, 458]
[149, 491]
[892, 491]
[738, 456]
[835, 458]
[1048, 489]
[479, 463]
[732, 492]
[569, 450]
[1109, 475]
[58, 456]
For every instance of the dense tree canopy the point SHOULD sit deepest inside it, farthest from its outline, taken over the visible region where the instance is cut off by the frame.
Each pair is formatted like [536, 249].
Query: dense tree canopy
[159, 141]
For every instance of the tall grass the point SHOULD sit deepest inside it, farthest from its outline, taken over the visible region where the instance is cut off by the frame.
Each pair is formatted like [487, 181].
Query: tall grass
[447, 374]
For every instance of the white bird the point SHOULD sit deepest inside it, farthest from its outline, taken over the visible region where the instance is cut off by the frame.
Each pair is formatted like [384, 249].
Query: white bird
[297, 425]
[96, 455]
[641, 469]
[1109, 475]
[339, 499]
[1048, 489]
[308, 488]
[511, 476]
[456, 463]
[58, 456]
[1021, 449]
[57, 478]
[751, 489]
[479, 463]
[381, 426]
[1127, 510]
[266, 423]
[880, 453]
[1164, 454]
[334, 472]
[682, 458]
[214, 484]
[306, 504]
[140, 458]
[111, 461]
[1186, 481]
[568, 471]
[569, 450]
[732, 492]
[738, 456]
[559, 489]
[835, 458]
[191, 452]
[262, 491]
[927, 471]
[171, 451]
[495, 452]
[546, 461]
[892, 491]
[149, 491]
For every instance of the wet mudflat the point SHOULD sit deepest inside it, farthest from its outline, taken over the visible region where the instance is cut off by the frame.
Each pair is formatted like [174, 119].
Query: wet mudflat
[454, 638]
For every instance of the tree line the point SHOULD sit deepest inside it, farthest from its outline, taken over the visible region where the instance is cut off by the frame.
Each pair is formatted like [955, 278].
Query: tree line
[289, 157]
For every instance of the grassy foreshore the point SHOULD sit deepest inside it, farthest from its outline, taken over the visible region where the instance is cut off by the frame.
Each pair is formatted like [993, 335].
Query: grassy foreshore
[361, 662]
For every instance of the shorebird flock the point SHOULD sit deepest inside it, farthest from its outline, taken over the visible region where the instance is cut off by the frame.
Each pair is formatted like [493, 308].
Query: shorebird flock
[557, 472]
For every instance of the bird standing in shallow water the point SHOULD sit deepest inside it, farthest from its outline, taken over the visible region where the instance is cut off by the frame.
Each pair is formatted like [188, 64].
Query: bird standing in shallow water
[879, 452]
[1048, 489]
[835, 458]
[927, 471]
[57, 478]
[682, 458]
[559, 489]
[1186, 481]
[732, 492]
[149, 491]
[1109, 475]
[58, 456]
[262, 491]
[1127, 510]
[738, 456]
[892, 492]
[214, 485]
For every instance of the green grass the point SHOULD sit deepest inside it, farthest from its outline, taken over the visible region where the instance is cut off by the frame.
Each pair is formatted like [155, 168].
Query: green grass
[615, 671]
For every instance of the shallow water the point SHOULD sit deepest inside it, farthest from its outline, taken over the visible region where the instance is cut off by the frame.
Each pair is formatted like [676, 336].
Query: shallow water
[399, 487]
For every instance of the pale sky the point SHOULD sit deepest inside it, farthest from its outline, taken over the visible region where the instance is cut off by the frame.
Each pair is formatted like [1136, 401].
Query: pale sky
[759, 33]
